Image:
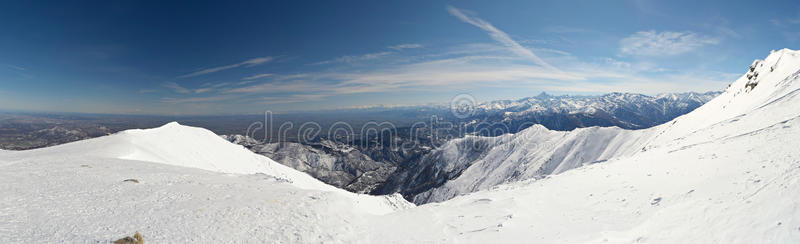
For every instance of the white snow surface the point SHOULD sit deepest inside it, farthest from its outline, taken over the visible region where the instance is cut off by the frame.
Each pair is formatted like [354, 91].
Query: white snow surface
[728, 172]
[193, 187]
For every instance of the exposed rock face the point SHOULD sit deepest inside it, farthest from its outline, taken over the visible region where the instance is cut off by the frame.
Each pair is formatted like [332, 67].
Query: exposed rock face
[339, 165]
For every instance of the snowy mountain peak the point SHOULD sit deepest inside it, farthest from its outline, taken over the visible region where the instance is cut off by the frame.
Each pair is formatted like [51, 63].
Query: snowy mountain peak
[179, 145]
[127, 181]
[776, 68]
[543, 95]
[172, 124]
[770, 84]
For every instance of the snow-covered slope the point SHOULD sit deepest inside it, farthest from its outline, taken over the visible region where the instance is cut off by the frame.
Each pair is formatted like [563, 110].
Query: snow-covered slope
[736, 190]
[192, 186]
[471, 164]
[178, 145]
[726, 173]
[477, 163]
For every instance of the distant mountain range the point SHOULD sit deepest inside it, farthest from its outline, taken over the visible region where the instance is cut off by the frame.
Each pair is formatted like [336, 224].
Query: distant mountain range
[379, 168]
[624, 110]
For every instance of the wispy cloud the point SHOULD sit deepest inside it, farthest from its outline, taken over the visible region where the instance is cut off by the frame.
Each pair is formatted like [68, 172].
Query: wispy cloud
[359, 58]
[503, 64]
[405, 46]
[785, 22]
[565, 29]
[295, 98]
[175, 87]
[203, 90]
[258, 76]
[788, 27]
[16, 67]
[172, 100]
[279, 87]
[463, 71]
[499, 36]
[667, 43]
[216, 85]
[246, 63]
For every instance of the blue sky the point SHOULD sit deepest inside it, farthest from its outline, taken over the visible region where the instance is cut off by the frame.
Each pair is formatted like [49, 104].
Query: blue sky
[154, 57]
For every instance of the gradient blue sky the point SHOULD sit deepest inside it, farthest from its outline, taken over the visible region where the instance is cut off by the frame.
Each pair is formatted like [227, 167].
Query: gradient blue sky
[193, 57]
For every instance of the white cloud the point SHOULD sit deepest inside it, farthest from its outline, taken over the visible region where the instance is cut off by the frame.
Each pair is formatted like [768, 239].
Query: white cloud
[565, 29]
[218, 85]
[258, 76]
[499, 36]
[618, 64]
[468, 71]
[785, 21]
[464, 71]
[278, 87]
[353, 59]
[175, 87]
[405, 46]
[652, 43]
[202, 90]
[553, 51]
[194, 99]
[505, 64]
[16, 67]
[246, 63]
[295, 98]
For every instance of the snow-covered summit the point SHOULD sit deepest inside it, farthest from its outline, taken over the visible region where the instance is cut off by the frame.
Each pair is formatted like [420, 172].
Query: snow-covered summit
[171, 183]
[775, 78]
[179, 145]
[172, 144]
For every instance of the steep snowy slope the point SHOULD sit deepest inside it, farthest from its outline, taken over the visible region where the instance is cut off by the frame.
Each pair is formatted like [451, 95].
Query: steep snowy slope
[741, 189]
[726, 173]
[476, 163]
[459, 168]
[173, 184]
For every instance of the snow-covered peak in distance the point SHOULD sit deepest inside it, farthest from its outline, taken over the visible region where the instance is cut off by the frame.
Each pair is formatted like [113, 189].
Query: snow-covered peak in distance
[626, 110]
[570, 103]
